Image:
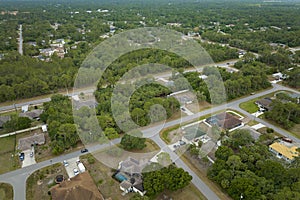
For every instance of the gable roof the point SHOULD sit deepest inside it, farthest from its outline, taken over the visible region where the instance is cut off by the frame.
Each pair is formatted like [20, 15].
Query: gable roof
[265, 102]
[4, 119]
[224, 120]
[32, 114]
[132, 165]
[80, 187]
[25, 143]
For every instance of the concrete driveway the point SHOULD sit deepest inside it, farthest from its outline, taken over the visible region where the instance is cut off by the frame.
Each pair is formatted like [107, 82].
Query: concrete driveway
[28, 160]
[72, 165]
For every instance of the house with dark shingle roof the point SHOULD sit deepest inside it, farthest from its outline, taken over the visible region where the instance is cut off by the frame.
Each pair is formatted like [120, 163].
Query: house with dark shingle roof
[33, 114]
[264, 103]
[225, 121]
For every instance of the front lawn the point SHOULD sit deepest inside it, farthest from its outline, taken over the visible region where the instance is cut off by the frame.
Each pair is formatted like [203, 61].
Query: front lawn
[249, 106]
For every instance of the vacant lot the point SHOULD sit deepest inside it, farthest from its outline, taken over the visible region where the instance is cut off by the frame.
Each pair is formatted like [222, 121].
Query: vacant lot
[200, 168]
[190, 192]
[250, 106]
[6, 191]
[8, 157]
[40, 182]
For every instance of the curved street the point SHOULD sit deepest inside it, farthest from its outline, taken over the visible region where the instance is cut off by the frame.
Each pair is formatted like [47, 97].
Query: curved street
[18, 177]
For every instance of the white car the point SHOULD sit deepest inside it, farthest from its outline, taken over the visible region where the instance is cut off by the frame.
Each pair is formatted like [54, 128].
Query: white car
[65, 163]
[76, 172]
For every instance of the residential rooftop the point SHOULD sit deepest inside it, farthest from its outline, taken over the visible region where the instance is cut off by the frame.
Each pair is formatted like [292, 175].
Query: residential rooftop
[288, 152]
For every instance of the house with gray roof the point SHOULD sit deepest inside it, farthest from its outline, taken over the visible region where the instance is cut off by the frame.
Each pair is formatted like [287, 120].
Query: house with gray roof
[4, 119]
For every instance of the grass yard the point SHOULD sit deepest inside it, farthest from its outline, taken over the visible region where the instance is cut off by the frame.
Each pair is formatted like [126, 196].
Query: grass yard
[102, 176]
[252, 123]
[109, 187]
[39, 183]
[189, 192]
[165, 133]
[250, 106]
[6, 191]
[8, 158]
[295, 130]
[201, 173]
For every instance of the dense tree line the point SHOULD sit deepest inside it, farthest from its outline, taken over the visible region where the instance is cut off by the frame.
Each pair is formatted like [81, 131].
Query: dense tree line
[142, 103]
[285, 113]
[220, 53]
[17, 123]
[251, 77]
[39, 20]
[293, 77]
[61, 128]
[248, 169]
[167, 178]
[24, 77]
[133, 141]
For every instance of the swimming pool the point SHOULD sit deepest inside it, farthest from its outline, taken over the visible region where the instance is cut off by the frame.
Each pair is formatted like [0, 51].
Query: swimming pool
[120, 177]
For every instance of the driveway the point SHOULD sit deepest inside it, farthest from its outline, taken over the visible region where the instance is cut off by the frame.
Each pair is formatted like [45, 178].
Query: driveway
[28, 160]
[72, 165]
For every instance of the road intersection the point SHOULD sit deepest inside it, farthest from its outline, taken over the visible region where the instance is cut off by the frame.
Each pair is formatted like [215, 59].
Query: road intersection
[18, 177]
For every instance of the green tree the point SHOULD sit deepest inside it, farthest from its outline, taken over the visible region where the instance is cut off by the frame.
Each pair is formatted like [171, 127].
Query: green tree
[111, 133]
[130, 142]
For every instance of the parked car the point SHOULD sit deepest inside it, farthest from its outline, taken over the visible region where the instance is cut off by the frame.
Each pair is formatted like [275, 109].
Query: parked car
[182, 142]
[22, 156]
[76, 172]
[65, 163]
[286, 139]
[84, 150]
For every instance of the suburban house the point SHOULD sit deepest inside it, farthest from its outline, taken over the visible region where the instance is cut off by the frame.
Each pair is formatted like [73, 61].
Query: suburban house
[129, 174]
[281, 150]
[3, 120]
[79, 187]
[279, 76]
[225, 121]
[77, 103]
[33, 114]
[192, 133]
[27, 142]
[295, 96]
[264, 104]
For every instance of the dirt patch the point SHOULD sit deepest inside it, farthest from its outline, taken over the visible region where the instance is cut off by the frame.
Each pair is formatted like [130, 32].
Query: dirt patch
[40, 182]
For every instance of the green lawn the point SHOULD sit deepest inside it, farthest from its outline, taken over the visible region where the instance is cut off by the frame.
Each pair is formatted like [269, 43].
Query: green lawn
[6, 191]
[7, 144]
[8, 158]
[250, 106]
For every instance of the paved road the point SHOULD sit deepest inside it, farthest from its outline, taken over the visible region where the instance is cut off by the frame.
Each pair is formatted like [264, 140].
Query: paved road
[18, 177]
[294, 49]
[199, 184]
[225, 64]
[21, 40]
